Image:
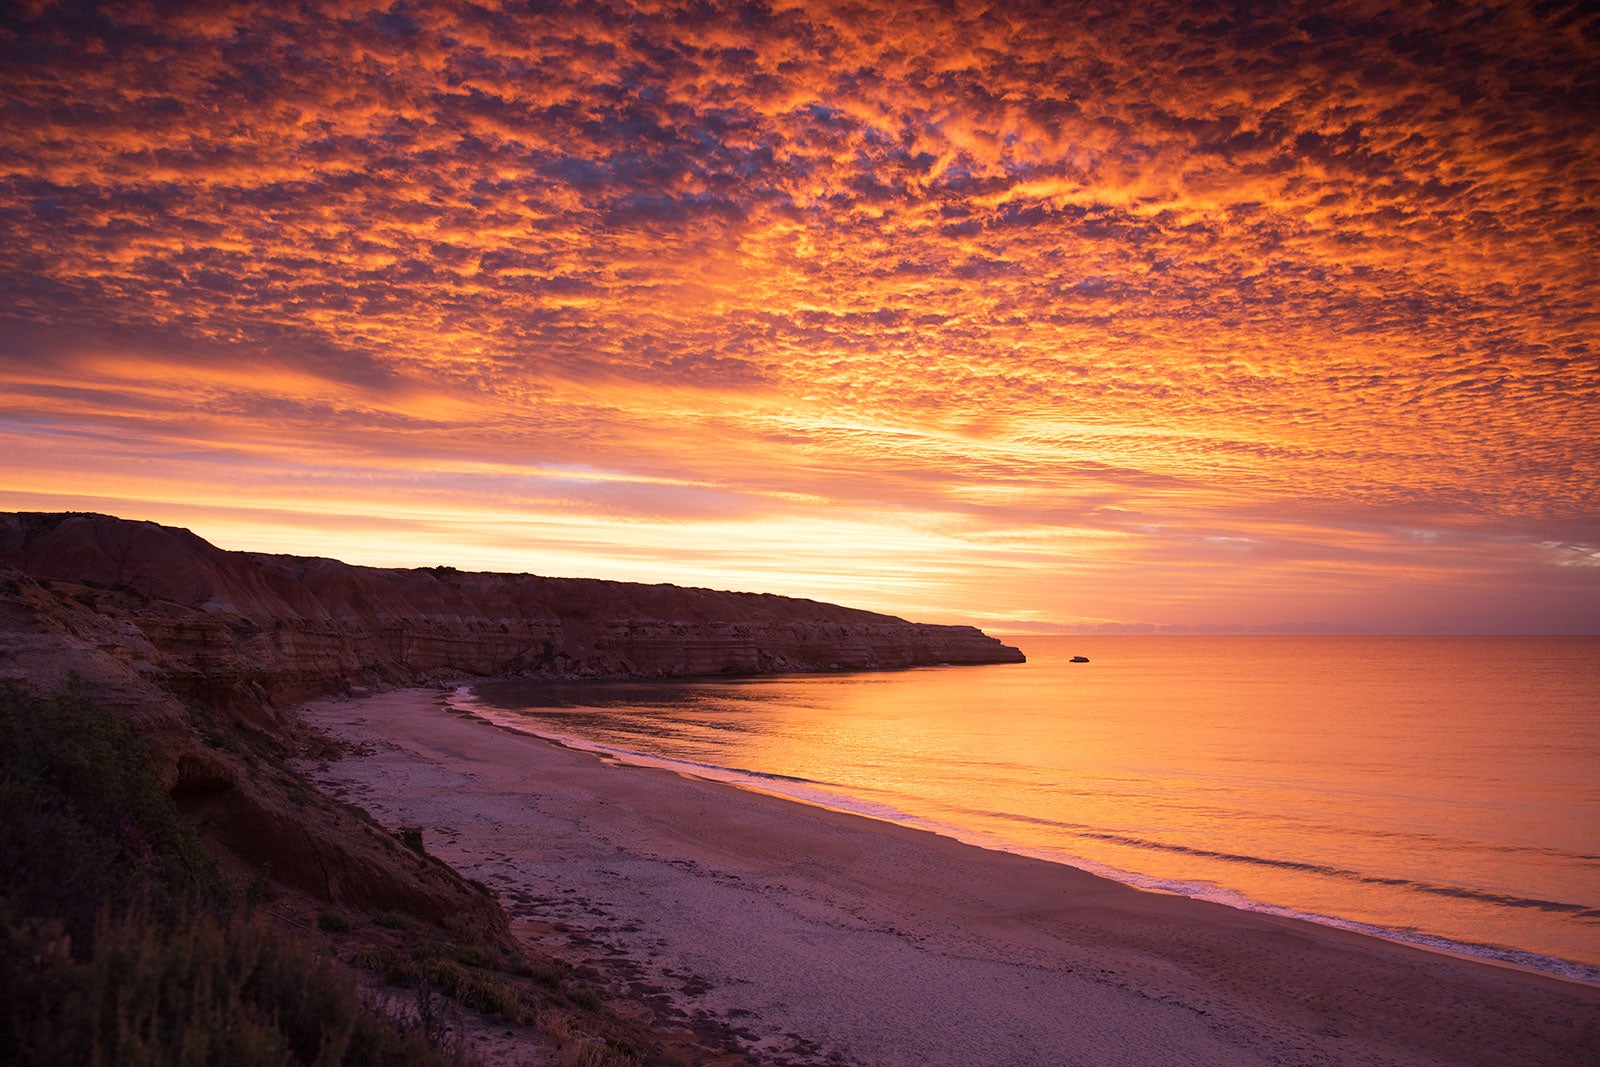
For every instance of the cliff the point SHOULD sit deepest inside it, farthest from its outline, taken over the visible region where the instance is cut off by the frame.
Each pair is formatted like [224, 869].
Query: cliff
[202, 650]
[158, 607]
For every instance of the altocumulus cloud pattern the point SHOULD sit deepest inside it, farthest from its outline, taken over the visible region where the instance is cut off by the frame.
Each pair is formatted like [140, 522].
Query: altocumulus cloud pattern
[1172, 312]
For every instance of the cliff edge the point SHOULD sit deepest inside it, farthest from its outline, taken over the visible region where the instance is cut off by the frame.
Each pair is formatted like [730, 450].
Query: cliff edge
[202, 651]
[251, 633]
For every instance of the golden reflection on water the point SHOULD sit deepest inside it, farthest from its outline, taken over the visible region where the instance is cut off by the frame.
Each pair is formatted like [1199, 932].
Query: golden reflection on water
[1444, 786]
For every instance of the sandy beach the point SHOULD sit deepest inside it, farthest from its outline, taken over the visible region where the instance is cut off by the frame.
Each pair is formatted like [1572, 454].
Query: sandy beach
[811, 936]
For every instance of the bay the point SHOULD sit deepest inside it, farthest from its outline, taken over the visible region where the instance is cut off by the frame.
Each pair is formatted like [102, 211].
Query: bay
[1440, 790]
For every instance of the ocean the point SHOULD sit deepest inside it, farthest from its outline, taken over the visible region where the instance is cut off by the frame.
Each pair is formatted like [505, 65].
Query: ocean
[1438, 790]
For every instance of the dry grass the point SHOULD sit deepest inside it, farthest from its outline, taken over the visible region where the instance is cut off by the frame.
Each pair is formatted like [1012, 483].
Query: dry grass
[120, 942]
[200, 991]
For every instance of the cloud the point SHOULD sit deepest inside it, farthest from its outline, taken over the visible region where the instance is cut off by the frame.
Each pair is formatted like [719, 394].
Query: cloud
[1003, 271]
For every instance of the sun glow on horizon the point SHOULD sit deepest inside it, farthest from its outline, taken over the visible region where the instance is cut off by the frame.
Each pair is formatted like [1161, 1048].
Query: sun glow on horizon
[1132, 317]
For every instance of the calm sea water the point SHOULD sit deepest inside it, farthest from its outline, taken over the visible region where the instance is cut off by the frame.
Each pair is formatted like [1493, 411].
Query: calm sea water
[1439, 790]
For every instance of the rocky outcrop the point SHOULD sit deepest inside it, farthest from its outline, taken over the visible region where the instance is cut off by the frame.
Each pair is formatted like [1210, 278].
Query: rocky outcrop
[251, 633]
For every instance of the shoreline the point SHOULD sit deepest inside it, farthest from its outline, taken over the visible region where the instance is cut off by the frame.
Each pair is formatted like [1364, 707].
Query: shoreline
[808, 933]
[462, 701]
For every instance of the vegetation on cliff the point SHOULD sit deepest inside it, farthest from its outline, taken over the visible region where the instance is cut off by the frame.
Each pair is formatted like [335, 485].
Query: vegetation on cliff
[159, 845]
[120, 940]
[123, 940]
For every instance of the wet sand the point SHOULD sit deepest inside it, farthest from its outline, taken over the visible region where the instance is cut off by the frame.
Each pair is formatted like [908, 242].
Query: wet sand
[816, 936]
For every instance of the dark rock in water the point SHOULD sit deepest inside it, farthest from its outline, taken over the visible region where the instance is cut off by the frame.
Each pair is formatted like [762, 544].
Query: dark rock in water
[1080, 659]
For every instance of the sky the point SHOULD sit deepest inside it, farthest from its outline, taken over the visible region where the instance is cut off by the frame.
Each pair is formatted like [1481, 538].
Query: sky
[1125, 314]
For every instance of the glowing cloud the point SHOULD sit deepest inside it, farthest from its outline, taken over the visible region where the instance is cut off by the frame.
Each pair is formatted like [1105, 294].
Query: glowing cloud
[1144, 313]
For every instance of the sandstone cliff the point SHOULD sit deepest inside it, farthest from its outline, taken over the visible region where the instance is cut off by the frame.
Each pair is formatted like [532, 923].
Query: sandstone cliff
[251, 633]
[202, 650]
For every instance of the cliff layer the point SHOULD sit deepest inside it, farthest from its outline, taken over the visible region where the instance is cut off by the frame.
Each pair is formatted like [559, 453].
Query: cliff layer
[189, 643]
[251, 633]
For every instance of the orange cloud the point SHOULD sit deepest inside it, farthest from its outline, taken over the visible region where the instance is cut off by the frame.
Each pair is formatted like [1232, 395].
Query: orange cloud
[1220, 319]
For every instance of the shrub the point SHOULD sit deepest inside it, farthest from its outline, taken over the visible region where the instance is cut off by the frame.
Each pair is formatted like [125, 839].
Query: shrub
[584, 997]
[116, 943]
[547, 971]
[86, 823]
[477, 956]
[390, 965]
[334, 922]
[485, 992]
[201, 991]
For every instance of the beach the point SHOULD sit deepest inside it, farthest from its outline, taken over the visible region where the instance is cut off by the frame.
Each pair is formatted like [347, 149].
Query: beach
[807, 935]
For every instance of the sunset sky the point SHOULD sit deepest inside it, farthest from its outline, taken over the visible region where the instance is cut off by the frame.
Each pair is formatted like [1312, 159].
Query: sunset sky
[1150, 313]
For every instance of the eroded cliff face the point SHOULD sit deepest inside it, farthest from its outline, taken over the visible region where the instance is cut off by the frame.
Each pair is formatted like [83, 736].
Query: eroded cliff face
[203, 650]
[251, 633]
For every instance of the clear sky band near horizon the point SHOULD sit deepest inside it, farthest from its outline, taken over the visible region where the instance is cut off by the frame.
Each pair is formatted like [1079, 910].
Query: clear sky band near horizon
[1022, 315]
